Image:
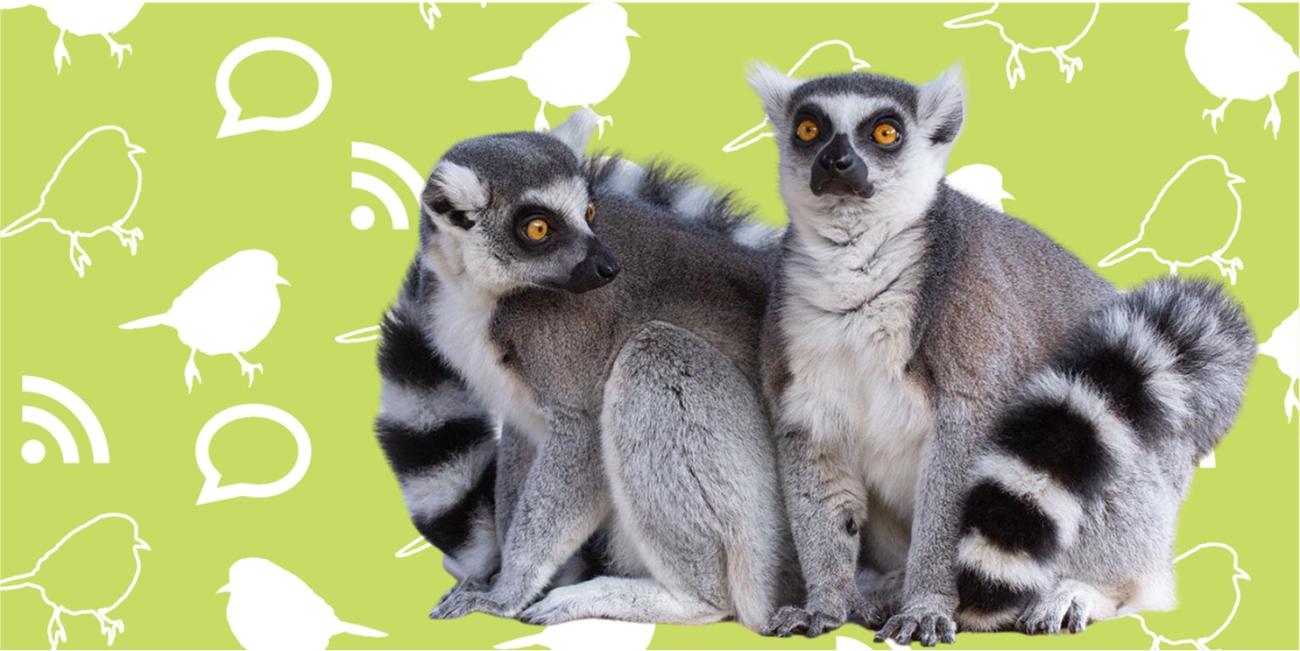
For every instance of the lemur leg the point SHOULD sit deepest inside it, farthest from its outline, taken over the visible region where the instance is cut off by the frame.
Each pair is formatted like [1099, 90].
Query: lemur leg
[930, 587]
[692, 476]
[1067, 607]
[514, 457]
[562, 502]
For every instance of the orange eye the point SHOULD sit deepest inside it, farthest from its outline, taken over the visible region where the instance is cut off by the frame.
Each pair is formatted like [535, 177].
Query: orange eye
[885, 134]
[537, 229]
[807, 130]
[591, 213]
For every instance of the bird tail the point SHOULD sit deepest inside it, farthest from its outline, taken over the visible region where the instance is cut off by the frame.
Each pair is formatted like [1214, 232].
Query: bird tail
[19, 225]
[1159, 372]
[363, 631]
[438, 439]
[16, 582]
[1120, 254]
[145, 322]
[522, 642]
[493, 75]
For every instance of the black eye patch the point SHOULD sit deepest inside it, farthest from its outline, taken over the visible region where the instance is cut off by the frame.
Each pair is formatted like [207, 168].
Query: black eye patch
[458, 218]
[811, 112]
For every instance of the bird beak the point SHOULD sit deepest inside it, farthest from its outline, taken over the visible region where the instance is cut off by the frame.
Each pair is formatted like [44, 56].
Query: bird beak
[140, 544]
[225, 588]
[1233, 179]
[631, 32]
[1241, 574]
[1182, 27]
[1007, 196]
[281, 281]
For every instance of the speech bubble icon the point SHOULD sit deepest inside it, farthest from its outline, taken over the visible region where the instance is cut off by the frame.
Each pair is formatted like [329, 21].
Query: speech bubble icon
[232, 125]
[212, 490]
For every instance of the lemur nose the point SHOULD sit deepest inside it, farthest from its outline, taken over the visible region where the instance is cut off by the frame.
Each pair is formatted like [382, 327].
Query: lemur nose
[836, 162]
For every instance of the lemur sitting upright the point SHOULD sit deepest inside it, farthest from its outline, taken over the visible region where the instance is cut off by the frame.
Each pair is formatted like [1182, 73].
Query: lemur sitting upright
[1000, 421]
[633, 407]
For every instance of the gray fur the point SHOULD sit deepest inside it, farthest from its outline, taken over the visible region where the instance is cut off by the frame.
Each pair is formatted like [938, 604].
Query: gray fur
[900, 327]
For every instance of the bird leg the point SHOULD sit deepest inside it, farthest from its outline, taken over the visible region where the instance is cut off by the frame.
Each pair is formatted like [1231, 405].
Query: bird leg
[429, 12]
[1068, 64]
[61, 52]
[600, 122]
[129, 238]
[54, 631]
[1274, 118]
[1292, 400]
[1228, 267]
[108, 626]
[191, 372]
[1216, 115]
[246, 368]
[119, 50]
[540, 123]
[1015, 69]
[80, 259]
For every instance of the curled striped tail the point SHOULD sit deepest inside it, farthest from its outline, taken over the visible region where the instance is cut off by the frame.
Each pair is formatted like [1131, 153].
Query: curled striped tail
[1160, 371]
[438, 440]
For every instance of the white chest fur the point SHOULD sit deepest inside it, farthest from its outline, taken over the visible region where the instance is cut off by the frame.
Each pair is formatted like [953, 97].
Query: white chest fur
[462, 318]
[847, 309]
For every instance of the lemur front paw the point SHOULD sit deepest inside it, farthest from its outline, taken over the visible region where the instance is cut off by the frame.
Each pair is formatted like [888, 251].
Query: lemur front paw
[461, 601]
[926, 625]
[820, 616]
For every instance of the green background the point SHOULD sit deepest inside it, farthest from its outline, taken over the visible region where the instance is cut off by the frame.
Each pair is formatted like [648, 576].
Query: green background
[1083, 160]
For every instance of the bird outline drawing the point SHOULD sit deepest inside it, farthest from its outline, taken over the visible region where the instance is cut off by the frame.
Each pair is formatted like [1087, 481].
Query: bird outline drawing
[756, 133]
[980, 182]
[1284, 346]
[1152, 220]
[271, 609]
[74, 226]
[1015, 69]
[579, 61]
[228, 310]
[588, 635]
[359, 336]
[59, 575]
[1204, 552]
[1236, 56]
[99, 18]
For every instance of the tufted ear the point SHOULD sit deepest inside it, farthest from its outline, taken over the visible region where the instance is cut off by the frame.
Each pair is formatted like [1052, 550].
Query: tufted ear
[453, 192]
[941, 106]
[773, 87]
[576, 131]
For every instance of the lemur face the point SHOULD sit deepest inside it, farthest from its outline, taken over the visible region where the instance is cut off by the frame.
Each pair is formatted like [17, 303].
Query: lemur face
[859, 140]
[514, 210]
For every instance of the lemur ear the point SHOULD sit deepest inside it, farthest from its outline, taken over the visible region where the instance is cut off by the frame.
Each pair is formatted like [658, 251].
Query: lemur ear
[941, 106]
[772, 86]
[576, 131]
[454, 191]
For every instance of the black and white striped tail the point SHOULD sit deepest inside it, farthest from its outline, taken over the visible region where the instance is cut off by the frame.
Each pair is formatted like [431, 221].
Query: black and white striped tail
[439, 442]
[679, 191]
[1163, 368]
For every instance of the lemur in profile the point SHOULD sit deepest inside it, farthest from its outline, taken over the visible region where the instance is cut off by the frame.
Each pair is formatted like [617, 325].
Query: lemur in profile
[629, 405]
[997, 420]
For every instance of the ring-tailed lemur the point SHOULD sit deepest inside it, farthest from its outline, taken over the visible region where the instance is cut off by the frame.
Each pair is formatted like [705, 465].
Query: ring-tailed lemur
[1002, 423]
[634, 406]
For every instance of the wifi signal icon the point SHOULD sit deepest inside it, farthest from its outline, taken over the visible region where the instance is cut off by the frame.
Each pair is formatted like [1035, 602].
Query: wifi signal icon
[33, 450]
[363, 217]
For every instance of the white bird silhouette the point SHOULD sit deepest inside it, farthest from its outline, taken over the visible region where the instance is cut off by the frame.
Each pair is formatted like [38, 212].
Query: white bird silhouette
[76, 223]
[1284, 346]
[980, 182]
[1207, 567]
[1236, 56]
[1163, 232]
[229, 310]
[271, 609]
[994, 18]
[588, 635]
[579, 61]
[86, 18]
[86, 573]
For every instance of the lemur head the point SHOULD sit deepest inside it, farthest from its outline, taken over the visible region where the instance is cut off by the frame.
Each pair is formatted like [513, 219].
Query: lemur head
[514, 210]
[861, 143]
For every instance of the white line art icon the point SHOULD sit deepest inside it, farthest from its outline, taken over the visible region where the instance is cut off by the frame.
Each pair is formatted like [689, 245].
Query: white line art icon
[109, 140]
[1210, 552]
[588, 635]
[430, 13]
[271, 609]
[103, 556]
[359, 336]
[1284, 346]
[756, 132]
[844, 643]
[1235, 55]
[1015, 69]
[982, 183]
[412, 548]
[100, 18]
[1210, 172]
[362, 216]
[33, 451]
[213, 490]
[229, 310]
[579, 61]
[232, 124]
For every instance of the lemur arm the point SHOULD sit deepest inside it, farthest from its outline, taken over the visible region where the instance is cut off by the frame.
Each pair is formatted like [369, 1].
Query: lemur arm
[930, 587]
[561, 503]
